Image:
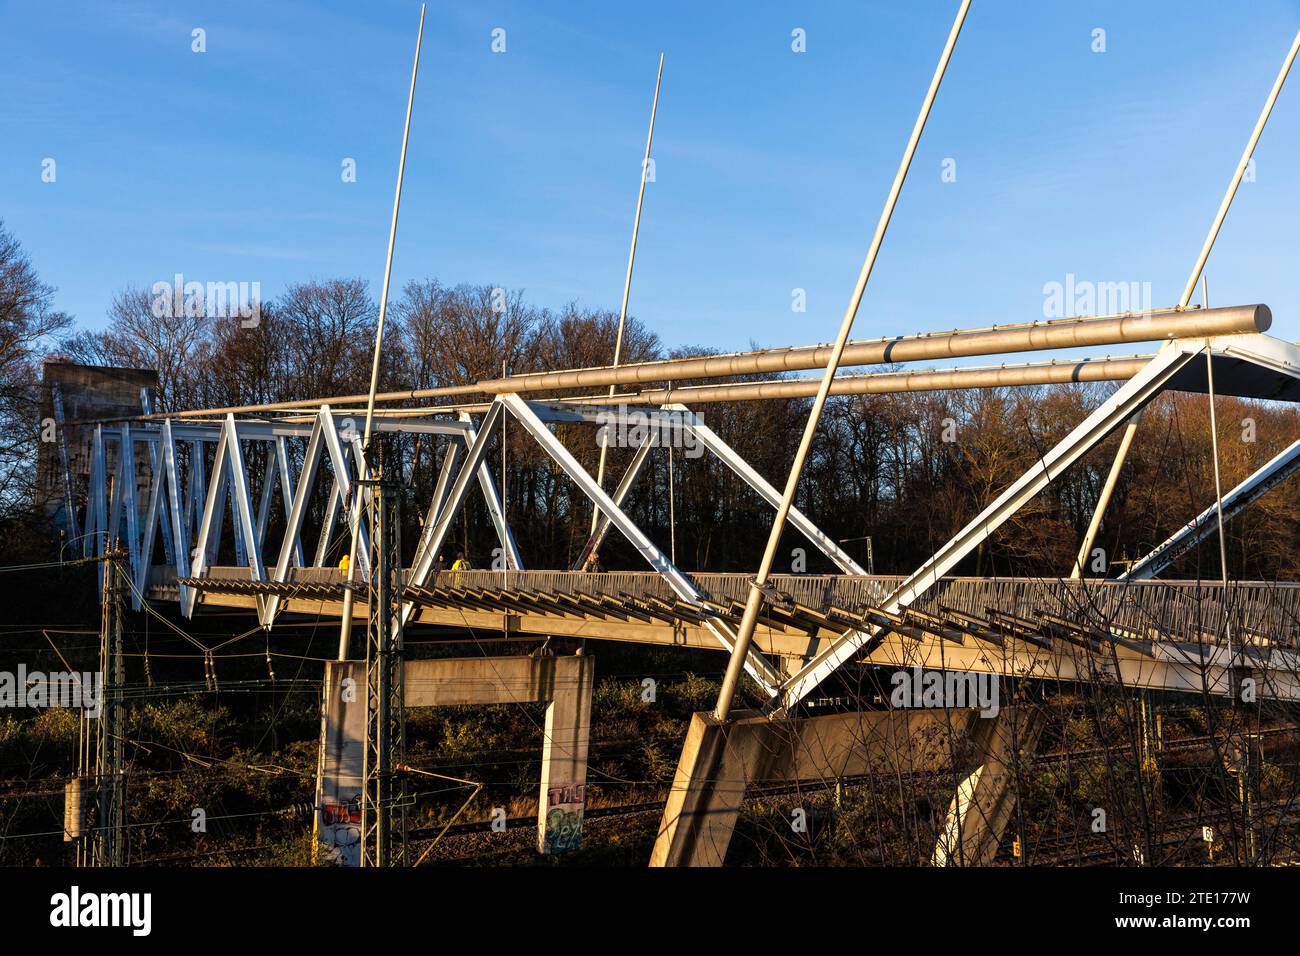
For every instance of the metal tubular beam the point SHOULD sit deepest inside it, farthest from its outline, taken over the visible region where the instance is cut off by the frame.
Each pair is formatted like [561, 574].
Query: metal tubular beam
[157, 479]
[1203, 525]
[126, 458]
[98, 542]
[1239, 172]
[213, 505]
[455, 499]
[297, 510]
[241, 546]
[95, 508]
[758, 668]
[242, 513]
[197, 483]
[1112, 478]
[264, 498]
[297, 426]
[348, 498]
[1037, 336]
[888, 383]
[327, 527]
[528, 416]
[439, 496]
[286, 490]
[219, 514]
[587, 556]
[1121, 406]
[1053, 372]
[627, 282]
[181, 552]
[124, 493]
[114, 504]
[1198, 268]
[363, 466]
[146, 405]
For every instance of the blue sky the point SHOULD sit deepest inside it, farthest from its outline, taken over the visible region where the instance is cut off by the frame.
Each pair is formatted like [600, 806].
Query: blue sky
[771, 165]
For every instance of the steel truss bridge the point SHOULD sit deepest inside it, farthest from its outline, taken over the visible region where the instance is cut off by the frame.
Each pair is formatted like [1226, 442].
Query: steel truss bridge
[1140, 631]
[788, 633]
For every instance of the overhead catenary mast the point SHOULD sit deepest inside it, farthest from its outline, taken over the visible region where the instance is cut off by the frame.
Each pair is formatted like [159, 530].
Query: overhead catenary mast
[594, 545]
[362, 465]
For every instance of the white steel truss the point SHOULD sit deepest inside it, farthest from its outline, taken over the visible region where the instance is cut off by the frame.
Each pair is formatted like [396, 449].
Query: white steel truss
[186, 506]
[1128, 400]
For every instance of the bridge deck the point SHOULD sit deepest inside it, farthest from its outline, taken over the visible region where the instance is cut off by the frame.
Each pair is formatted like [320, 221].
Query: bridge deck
[1162, 634]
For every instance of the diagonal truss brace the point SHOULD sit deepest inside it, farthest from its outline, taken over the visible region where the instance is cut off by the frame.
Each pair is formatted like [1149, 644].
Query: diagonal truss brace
[727, 455]
[180, 532]
[435, 538]
[527, 415]
[676, 418]
[496, 511]
[1114, 412]
[228, 476]
[1203, 525]
[445, 473]
[597, 536]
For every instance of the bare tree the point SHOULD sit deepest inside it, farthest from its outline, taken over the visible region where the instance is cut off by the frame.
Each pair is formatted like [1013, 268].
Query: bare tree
[329, 329]
[28, 321]
[148, 331]
[458, 336]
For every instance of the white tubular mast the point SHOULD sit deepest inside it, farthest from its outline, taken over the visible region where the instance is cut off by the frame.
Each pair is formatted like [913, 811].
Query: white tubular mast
[735, 666]
[627, 290]
[363, 466]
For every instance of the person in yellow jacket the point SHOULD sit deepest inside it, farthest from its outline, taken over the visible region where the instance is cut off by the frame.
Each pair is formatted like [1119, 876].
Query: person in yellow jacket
[460, 564]
[343, 564]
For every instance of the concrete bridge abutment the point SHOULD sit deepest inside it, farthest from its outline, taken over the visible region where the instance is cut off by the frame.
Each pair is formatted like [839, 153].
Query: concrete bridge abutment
[721, 761]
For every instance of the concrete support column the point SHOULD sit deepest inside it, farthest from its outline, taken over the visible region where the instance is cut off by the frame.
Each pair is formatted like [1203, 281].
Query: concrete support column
[564, 684]
[564, 756]
[720, 760]
[706, 795]
[340, 764]
[982, 806]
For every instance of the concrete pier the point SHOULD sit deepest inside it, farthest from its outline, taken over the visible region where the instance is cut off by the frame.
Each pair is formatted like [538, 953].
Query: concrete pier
[720, 761]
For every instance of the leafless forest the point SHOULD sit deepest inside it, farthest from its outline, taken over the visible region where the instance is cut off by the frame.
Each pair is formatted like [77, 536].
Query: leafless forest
[907, 470]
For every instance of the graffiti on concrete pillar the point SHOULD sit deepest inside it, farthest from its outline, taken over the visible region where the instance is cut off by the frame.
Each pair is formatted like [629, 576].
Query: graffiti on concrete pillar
[341, 766]
[564, 818]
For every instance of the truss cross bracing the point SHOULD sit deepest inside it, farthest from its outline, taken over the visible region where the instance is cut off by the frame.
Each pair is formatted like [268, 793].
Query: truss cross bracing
[189, 472]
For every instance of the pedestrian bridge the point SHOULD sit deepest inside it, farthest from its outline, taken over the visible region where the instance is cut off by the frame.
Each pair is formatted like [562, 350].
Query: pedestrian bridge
[196, 470]
[1157, 634]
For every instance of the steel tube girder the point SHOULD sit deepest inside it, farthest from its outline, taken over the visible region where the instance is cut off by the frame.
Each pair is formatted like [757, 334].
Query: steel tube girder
[455, 498]
[496, 511]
